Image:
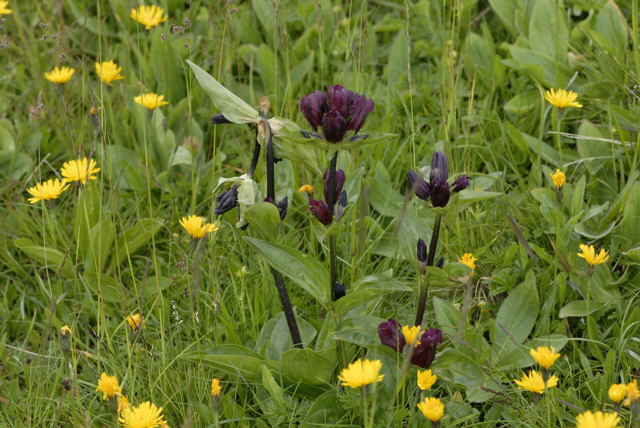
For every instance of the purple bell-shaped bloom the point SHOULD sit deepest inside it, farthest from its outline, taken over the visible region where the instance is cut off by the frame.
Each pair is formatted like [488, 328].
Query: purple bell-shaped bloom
[339, 182]
[321, 211]
[460, 184]
[419, 185]
[390, 335]
[313, 107]
[424, 353]
[422, 251]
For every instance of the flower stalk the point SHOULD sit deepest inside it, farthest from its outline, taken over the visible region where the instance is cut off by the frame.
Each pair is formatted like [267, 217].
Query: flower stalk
[433, 244]
[331, 202]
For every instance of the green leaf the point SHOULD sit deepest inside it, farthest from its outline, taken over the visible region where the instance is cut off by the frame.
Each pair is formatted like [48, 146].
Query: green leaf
[234, 360]
[629, 229]
[369, 288]
[398, 61]
[469, 195]
[135, 238]
[592, 151]
[611, 24]
[304, 270]
[363, 139]
[517, 315]
[523, 103]
[229, 104]
[270, 384]
[447, 315]
[307, 366]
[548, 32]
[104, 287]
[579, 308]
[359, 329]
[47, 256]
[102, 236]
[264, 218]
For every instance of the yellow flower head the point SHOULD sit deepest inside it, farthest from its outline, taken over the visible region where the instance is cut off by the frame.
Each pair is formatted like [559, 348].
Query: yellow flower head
[535, 383]
[59, 74]
[123, 403]
[617, 391]
[135, 321]
[633, 394]
[361, 373]
[146, 415]
[558, 178]
[80, 170]
[4, 8]
[108, 385]
[426, 379]
[469, 260]
[412, 334]
[597, 420]
[150, 100]
[196, 226]
[242, 272]
[544, 356]
[307, 188]
[215, 387]
[65, 329]
[562, 98]
[47, 190]
[149, 16]
[589, 254]
[432, 408]
[108, 72]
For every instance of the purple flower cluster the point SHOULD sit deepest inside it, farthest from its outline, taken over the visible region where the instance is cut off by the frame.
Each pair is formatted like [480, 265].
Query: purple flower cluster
[424, 354]
[438, 188]
[319, 208]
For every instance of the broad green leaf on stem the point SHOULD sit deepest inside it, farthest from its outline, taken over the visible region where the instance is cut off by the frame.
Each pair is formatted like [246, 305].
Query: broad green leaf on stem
[104, 287]
[360, 330]
[523, 103]
[325, 411]
[234, 360]
[304, 270]
[610, 29]
[135, 238]
[102, 236]
[307, 366]
[517, 316]
[361, 140]
[507, 11]
[230, 105]
[594, 153]
[579, 308]
[275, 338]
[270, 384]
[264, 217]
[154, 285]
[459, 367]
[470, 195]
[447, 315]
[366, 289]
[548, 32]
[48, 257]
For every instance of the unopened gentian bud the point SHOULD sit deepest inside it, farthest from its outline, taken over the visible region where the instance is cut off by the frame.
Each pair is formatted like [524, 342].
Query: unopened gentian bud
[321, 211]
[440, 195]
[340, 178]
[419, 185]
[219, 119]
[438, 177]
[361, 108]
[338, 291]
[440, 263]
[390, 335]
[339, 99]
[334, 126]
[425, 352]
[342, 203]
[461, 183]
[422, 251]
[283, 206]
[313, 107]
[226, 201]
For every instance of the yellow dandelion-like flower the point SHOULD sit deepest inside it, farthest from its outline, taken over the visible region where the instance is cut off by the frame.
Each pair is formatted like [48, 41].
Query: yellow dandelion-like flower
[597, 420]
[426, 379]
[135, 321]
[149, 16]
[123, 403]
[361, 373]
[562, 98]
[469, 260]
[80, 170]
[47, 190]
[65, 329]
[150, 100]
[215, 387]
[432, 408]
[307, 188]
[589, 254]
[108, 72]
[108, 385]
[196, 226]
[59, 75]
[412, 334]
[535, 383]
[633, 394]
[617, 391]
[558, 178]
[544, 356]
[146, 415]
[4, 8]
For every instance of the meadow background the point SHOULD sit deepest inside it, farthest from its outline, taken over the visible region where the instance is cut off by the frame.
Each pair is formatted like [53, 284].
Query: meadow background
[466, 77]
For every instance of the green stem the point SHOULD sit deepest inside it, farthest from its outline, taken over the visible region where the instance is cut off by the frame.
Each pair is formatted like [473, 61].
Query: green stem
[433, 244]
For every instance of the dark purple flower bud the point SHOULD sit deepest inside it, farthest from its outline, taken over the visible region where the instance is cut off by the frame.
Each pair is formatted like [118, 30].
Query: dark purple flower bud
[439, 170]
[419, 185]
[424, 353]
[390, 335]
[219, 119]
[340, 100]
[313, 106]
[440, 263]
[340, 178]
[422, 251]
[440, 195]
[461, 183]
[321, 211]
[360, 109]
[338, 291]
[227, 201]
[334, 126]
[283, 206]
[342, 203]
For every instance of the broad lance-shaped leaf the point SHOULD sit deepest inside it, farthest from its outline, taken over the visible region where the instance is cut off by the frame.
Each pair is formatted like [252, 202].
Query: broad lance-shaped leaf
[232, 107]
[367, 289]
[517, 316]
[307, 272]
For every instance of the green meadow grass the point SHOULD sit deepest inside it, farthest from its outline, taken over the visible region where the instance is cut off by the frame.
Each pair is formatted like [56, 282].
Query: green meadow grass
[466, 77]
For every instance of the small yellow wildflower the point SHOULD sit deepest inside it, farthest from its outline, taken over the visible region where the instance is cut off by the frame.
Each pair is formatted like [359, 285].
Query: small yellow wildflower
[59, 74]
[633, 394]
[597, 420]
[108, 72]
[146, 415]
[215, 387]
[426, 379]
[4, 8]
[617, 391]
[80, 170]
[535, 383]
[65, 329]
[589, 254]
[123, 403]
[135, 321]
[150, 100]
[544, 356]
[469, 260]
[432, 408]
[361, 373]
[242, 272]
[412, 334]
[196, 226]
[149, 16]
[108, 385]
[307, 188]
[47, 190]
[562, 98]
[558, 178]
